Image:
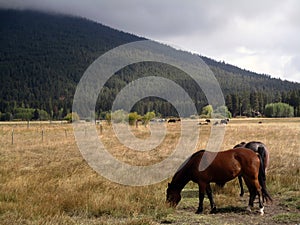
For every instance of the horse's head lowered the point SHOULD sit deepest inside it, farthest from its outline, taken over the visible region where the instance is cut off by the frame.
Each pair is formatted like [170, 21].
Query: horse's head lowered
[173, 195]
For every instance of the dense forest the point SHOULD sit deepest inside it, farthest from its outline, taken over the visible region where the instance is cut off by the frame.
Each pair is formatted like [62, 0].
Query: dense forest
[43, 57]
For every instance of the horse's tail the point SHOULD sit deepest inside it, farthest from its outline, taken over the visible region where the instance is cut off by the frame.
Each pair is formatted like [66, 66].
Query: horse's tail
[266, 157]
[262, 174]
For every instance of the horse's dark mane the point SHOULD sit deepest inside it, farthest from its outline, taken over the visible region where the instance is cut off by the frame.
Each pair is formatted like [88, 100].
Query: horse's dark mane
[188, 159]
[184, 164]
[198, 152]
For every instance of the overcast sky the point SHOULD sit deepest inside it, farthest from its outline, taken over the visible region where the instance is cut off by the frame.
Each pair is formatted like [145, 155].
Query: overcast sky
[258, 35]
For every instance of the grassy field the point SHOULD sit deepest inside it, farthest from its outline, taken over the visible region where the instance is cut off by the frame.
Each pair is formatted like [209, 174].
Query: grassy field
[45, 180]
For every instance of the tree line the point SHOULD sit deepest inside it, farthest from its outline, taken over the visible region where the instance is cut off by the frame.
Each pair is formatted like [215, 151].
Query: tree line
[43, 57]
[257, 103]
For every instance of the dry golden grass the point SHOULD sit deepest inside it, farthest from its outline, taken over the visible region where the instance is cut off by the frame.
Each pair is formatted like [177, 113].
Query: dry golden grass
[45, 180]
[141, 158]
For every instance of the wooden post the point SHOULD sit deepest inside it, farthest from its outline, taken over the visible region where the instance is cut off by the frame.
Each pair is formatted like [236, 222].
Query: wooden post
[66, 135]
[12, 136]
[101, 129]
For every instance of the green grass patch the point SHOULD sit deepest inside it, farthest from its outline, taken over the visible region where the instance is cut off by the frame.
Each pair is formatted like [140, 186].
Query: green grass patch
[287, 218]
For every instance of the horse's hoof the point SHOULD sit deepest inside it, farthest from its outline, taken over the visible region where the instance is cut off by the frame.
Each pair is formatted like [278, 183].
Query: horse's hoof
[213, 210]
[199, 212]
[261, 211]
[248, 209]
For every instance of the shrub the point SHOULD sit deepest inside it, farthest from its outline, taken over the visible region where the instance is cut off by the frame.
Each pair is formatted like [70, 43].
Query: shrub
[71, 117]
[279, 110]
[133, 117]
[148, 116]
[207, 111]
[220, 112]
[23, 113]
[119, 116]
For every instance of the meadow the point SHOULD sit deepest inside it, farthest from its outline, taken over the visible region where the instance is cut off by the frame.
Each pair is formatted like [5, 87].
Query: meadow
[45, 180]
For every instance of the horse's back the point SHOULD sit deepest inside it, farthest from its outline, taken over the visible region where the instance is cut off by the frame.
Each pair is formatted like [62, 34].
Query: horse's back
[224, 156]
[245, 154]
[224, 166]
[254, 145]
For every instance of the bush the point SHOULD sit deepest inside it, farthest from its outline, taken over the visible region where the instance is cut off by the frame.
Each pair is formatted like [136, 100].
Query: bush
[23, 113]
[279, 110]
[119, 116]
[71, 117]
[148, 116]
[133, 117]
[220, 112]
[43, 115]
[40, 114]
[207, 111]
[6, 116]
[108, 117]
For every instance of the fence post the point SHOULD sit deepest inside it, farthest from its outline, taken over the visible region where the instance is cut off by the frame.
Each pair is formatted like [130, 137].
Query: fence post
[101, 129]
[12, 136]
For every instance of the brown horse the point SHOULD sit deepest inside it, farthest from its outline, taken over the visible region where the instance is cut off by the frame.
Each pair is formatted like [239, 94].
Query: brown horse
[226, 166]
[263, 151]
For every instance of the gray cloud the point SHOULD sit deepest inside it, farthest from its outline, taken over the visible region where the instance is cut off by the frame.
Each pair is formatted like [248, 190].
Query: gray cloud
[257, 35]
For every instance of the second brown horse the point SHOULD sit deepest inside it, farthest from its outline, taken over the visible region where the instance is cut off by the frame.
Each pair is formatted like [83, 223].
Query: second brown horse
[226, 166]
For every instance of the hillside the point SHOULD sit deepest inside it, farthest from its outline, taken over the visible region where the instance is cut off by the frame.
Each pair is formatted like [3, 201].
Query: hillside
[43, 56]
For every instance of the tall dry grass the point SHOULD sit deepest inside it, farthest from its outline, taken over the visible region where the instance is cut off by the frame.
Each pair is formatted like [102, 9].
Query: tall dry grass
[45, 180]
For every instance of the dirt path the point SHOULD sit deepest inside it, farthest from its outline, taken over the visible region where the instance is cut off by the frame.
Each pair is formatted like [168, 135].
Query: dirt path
[275, 213]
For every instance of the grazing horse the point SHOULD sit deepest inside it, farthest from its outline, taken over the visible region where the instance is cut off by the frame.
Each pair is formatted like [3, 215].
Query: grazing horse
[262, 150]
[226, 166]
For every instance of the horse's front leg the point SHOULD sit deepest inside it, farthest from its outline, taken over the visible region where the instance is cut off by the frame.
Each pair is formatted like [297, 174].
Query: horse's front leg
[241, 185]
[211, 199]
[201, 198]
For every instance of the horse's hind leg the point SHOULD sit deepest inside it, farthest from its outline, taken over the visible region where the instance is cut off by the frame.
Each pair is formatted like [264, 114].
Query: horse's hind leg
[260, 200]
[255, 190]
[211, 199]
[250, 183]
[241, 185]
[252, 192]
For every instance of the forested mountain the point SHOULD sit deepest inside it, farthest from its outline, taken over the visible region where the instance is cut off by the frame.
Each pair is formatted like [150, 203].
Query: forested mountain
[247, 92]
[43, 57]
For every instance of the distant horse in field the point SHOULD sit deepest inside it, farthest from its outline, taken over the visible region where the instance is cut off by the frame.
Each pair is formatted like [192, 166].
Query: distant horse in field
[263, 151]
[226, 166]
